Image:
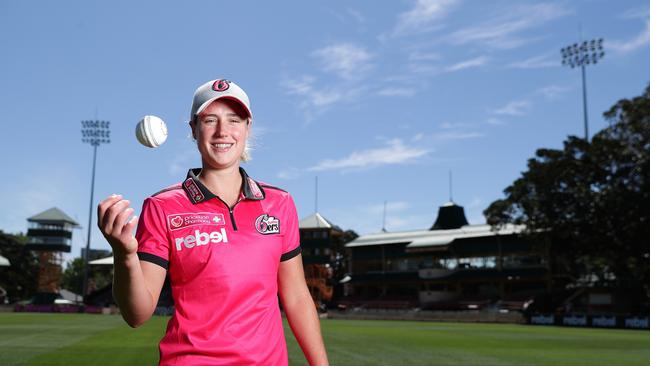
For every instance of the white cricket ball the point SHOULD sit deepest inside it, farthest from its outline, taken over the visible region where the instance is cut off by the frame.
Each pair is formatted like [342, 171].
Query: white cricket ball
[151, 131]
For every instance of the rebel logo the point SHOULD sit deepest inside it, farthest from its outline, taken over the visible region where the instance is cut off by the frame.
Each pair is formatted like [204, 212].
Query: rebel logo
[200, 238]
[221, 85]
[265, 224]
[179, 221]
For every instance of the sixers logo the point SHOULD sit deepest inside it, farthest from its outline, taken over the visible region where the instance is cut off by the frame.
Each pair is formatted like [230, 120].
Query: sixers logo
[266, 225]
[221, 85]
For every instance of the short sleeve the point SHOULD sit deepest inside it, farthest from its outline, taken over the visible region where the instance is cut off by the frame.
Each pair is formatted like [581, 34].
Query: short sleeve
[153, 243]
[291, 237]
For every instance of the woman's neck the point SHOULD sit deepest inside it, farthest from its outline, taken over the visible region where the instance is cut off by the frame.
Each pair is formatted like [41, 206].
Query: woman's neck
[225, 183]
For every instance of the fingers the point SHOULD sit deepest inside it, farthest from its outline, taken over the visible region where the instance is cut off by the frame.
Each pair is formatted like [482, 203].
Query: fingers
[111, 214]
[120, 219]
[104, 205]
[130, 225]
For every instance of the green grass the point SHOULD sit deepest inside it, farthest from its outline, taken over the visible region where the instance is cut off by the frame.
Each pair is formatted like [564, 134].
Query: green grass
[83, 339]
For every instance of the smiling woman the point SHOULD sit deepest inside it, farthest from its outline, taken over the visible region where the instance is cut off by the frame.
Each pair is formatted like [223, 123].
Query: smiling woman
[221, 132]
[230, 245]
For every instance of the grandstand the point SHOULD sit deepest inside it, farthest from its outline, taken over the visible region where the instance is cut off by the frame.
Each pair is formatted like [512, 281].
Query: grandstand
[451, 266]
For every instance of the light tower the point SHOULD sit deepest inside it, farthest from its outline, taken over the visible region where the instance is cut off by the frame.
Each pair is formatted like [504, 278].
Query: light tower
[95, 133]
[580, 55]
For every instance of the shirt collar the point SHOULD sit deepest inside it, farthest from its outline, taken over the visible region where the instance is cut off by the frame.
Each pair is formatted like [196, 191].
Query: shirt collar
[197, 192]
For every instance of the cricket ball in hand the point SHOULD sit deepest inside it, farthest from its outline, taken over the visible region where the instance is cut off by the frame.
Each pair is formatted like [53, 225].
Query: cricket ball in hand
[151, 131]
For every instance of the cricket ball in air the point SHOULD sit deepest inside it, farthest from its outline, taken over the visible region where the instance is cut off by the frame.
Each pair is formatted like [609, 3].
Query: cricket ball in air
[151, 131]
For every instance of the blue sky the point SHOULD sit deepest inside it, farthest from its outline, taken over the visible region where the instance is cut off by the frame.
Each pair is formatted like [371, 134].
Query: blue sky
[378, 99]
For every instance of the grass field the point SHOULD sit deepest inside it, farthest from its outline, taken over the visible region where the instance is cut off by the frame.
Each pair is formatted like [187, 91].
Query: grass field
[83, 339]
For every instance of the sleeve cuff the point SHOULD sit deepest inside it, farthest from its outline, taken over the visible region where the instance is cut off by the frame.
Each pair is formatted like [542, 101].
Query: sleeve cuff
[148, 257]
[291, 254]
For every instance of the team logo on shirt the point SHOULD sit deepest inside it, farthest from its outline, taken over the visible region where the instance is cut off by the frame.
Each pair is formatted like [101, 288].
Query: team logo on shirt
[265, 224]
[179, 221]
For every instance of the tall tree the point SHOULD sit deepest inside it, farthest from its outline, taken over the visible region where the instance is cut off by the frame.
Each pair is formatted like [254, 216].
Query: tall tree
[73, 276]
[20, 279]
[589, 202]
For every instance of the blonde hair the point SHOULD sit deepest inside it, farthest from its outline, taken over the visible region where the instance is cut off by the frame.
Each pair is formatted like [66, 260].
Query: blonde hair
[247, 155]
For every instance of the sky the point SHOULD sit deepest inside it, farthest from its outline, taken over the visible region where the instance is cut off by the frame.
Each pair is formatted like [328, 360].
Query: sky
[379, 100]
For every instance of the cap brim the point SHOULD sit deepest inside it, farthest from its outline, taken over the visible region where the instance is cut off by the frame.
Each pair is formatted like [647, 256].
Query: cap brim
[230, 97]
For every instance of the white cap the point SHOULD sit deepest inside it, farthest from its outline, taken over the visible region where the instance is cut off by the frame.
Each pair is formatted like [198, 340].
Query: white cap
[217, 89]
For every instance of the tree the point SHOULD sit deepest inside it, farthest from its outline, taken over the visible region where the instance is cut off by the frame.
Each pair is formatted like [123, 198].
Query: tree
[20, 279]
[589, 201]
[73, 277]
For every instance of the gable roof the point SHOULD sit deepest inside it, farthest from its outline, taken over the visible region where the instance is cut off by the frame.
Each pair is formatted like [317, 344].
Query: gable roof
[52, 215]
[316, 221]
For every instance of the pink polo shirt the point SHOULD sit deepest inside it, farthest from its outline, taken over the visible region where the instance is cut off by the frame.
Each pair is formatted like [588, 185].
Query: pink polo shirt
[223, 268]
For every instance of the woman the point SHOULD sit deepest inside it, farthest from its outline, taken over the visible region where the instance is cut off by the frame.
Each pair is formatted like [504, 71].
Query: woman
[230, 245]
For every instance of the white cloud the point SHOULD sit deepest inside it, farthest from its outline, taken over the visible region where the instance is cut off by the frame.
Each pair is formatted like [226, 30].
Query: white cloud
[423, 17]
[502, 31]
[345, 60]
[641, 40]
[289, 173]
[455, 135]
[514, 108]
[537, 62]
[495, 121]
[455, 125]
[474, 62]
[420, 56]
[318, 98]
[49, 186]
[363, 222]
[477, 202]
[182, 160]
[423, 68]
[553, 91]
[394, 153]
[397, 92]
[322, 98]
[642, 12]
[301, 86]
[356, 15]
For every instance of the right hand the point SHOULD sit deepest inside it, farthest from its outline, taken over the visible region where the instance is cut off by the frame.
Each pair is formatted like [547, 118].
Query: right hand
[112, 215]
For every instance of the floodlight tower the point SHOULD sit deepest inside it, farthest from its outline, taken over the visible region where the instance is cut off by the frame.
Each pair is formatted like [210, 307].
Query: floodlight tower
[585, 53]
[95, 133]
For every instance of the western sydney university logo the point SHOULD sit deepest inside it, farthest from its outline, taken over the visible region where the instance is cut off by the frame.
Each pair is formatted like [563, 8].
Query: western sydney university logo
[265, 224]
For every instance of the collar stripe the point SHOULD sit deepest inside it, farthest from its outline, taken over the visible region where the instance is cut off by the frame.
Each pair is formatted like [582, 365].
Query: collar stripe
[197, 192]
